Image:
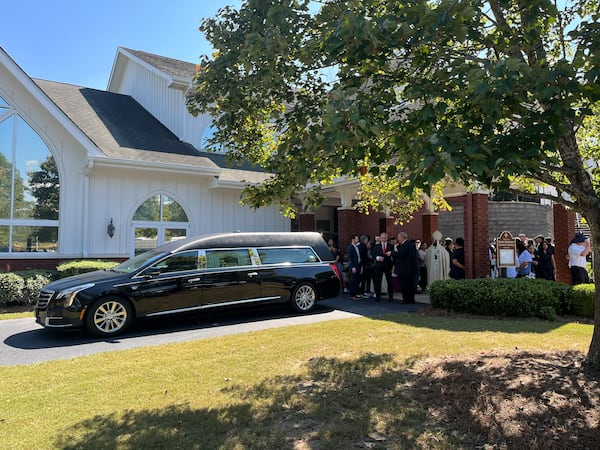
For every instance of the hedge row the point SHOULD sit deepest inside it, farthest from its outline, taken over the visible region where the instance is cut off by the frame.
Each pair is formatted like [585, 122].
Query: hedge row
[21, 289]
[76, 267]
[521, 297]
[583, 300]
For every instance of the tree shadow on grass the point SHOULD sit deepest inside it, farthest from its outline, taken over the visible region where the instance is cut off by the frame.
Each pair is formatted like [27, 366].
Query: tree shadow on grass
[516, 400]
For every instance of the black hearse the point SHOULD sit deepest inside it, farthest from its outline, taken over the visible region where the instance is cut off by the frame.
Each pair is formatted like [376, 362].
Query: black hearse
[194, 274]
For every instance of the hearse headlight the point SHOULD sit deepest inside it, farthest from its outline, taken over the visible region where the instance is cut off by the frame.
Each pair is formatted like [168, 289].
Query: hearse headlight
[68, 295]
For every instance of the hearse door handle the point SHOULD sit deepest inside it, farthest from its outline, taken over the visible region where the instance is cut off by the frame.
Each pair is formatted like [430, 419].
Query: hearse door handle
[193, 280]
[252, 274]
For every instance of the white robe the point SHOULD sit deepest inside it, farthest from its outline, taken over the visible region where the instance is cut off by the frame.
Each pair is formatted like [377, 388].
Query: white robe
[437, 261]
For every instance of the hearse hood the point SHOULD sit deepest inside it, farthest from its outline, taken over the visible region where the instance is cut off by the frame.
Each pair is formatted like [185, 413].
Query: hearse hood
[98, 276]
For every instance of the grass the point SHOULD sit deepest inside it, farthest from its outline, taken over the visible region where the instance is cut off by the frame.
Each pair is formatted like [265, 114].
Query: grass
[340, 384]
[16, 315]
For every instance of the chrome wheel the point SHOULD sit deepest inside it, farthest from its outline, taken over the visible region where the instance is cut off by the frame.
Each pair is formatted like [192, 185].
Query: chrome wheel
[304, 298]
[108, 317]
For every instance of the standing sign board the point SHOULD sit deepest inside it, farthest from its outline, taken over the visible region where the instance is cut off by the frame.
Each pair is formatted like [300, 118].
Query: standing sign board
[506, 249]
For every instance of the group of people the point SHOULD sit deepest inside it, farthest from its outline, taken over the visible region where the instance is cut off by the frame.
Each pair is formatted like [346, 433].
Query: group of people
[407, 266]
[536, 259]
[410, 266]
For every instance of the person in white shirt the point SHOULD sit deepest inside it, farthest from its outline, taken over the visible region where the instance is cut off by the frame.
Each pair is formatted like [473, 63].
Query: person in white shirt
[578, 250]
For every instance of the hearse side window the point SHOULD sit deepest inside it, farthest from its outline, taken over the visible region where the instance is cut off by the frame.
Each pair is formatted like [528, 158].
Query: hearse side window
[227, 258]
[179, 262]
[287, 255]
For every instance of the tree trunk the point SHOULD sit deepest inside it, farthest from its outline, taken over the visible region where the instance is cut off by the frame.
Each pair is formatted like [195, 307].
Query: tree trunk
[593, 356]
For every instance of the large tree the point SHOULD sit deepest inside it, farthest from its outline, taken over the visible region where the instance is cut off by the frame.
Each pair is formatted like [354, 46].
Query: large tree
[494, 92]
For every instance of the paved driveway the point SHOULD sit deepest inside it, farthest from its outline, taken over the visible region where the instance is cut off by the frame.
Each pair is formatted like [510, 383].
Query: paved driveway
[22, 341]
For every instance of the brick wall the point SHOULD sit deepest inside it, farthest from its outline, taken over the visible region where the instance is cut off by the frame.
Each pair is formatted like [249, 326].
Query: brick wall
[479, 236]
[429, 226]
[306, 222]
[451, 223]
[520, 217]
[564, 226]
[348, 221]
[516, 217]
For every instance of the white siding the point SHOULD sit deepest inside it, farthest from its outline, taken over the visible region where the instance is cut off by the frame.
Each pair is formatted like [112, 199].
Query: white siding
[90, 197]
[166, 104]
[116, 194]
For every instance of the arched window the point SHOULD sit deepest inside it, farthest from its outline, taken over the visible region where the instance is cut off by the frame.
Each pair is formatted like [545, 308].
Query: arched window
[158, 220]
[29, 188]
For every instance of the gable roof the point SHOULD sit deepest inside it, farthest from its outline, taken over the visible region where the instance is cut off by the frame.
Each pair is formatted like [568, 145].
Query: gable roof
[173, 67]
[122, 129]
[118, 125]
[14, 70]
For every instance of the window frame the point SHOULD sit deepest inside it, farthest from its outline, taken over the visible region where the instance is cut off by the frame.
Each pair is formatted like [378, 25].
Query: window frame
[6, 112]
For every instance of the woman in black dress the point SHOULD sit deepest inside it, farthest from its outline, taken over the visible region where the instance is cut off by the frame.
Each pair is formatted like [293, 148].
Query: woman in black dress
[545, 265]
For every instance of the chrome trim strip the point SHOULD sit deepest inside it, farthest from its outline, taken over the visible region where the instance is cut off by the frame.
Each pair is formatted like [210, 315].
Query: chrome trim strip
[139, 279]
[212, 305]
[47, 323]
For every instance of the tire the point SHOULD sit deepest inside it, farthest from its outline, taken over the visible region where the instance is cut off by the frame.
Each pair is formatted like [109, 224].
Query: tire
[108, 317]
[304, 297]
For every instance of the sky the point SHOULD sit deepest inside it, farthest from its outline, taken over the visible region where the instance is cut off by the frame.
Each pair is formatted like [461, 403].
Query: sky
[75, 41]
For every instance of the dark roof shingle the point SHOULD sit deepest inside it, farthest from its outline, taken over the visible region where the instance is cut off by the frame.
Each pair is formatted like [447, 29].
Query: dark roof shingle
[123, 129]
[170, 66]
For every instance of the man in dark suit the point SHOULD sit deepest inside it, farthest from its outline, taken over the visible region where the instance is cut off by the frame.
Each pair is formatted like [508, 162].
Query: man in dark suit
[406, 266]
[382, 253]
[354, 266]
[366, 267]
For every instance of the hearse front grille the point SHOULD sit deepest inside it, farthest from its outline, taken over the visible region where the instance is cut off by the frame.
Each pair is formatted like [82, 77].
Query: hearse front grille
[44, 299]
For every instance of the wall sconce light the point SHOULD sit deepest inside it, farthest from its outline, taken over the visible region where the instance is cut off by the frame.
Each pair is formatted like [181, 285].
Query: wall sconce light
[111, 229]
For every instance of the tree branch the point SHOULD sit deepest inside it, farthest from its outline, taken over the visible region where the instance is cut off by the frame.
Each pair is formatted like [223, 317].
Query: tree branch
[504, 28]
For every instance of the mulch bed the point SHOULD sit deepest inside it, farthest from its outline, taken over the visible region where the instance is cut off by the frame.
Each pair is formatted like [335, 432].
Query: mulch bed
[521, 399]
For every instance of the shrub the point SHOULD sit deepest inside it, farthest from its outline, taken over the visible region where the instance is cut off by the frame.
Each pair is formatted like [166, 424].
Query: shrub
[11, 288]
[30, 273]
[76, 267]
[32, 288]
[18, 290]
[583, 299]
[522, 297]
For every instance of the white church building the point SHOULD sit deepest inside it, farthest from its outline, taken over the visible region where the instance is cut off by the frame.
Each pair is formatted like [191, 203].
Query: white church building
[86, 173]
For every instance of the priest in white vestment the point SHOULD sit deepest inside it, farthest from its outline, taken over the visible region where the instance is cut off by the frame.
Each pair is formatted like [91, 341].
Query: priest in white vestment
[437, 261]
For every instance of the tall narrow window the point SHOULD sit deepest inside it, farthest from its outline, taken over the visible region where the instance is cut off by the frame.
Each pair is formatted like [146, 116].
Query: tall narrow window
[29, 188]
[158, 220]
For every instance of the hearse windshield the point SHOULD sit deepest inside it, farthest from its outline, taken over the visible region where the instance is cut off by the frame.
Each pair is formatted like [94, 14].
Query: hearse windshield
[139, 261]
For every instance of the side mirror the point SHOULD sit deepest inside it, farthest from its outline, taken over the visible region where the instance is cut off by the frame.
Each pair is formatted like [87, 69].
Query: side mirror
[151, 272]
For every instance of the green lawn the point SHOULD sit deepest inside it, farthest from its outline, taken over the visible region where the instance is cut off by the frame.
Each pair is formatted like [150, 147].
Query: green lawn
[325, 385]
[17, 315]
